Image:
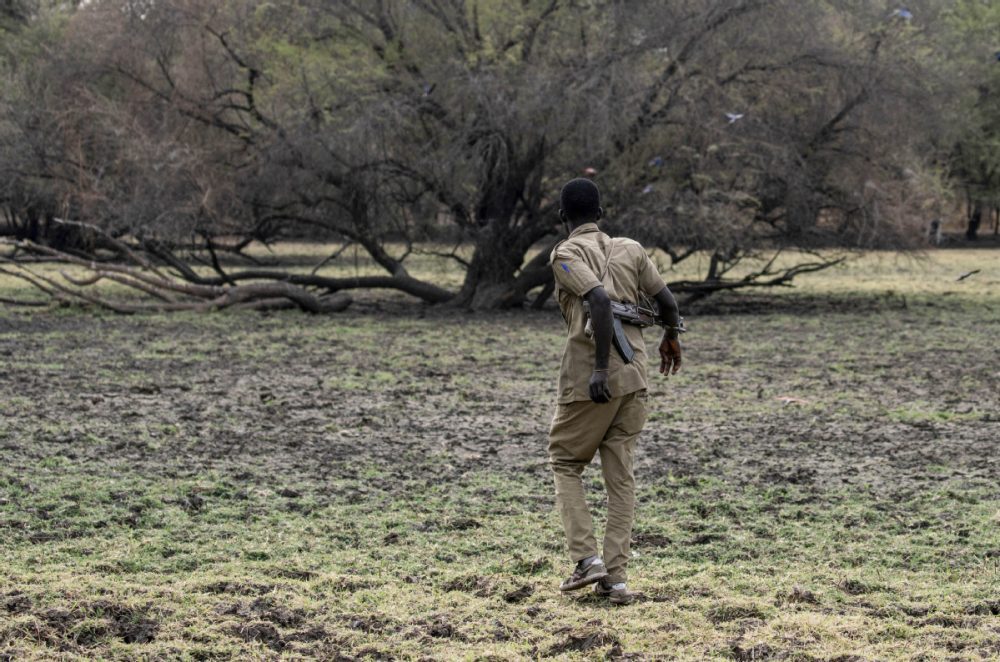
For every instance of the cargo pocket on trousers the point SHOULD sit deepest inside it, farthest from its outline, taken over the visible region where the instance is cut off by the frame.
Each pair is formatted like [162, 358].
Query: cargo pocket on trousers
[634, 416]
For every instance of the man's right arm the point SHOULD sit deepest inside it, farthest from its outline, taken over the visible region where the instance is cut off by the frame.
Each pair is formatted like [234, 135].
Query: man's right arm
[601, 322]
[575, 276]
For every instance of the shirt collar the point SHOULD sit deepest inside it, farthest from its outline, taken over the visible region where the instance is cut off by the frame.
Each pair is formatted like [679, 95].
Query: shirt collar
[583, 229]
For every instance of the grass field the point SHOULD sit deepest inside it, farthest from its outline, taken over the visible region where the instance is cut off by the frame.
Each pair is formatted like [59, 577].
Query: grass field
[819, 483]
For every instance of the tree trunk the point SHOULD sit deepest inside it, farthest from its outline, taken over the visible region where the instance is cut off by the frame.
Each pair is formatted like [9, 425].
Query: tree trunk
[801, 210]
[31, 230]
[975, 219]
[497, 275]
[491, 271]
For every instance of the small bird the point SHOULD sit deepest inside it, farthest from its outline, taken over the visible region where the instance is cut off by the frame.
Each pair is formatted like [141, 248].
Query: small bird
[656, 162]
[903, 13]
[734, 117]
[647, 189]
[967, 274]
[428, 88]
[590, 171]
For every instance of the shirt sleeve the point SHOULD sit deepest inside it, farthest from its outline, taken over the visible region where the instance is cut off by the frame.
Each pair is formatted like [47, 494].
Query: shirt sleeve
[650, 280]
[572, 273]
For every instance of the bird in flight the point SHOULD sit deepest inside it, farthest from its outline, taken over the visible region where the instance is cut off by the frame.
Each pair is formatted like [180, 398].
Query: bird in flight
[733, 117]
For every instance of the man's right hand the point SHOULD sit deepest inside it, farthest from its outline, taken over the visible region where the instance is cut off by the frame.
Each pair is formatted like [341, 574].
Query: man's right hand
[600, 392]
[670, 356]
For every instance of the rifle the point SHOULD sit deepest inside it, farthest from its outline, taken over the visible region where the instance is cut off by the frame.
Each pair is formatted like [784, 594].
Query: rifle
[633, 315]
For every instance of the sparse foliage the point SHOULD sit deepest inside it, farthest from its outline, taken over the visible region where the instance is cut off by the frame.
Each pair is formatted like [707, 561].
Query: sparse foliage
[196, 127]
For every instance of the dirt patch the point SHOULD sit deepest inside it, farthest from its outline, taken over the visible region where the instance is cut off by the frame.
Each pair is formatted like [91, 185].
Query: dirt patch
[130, 624]
[434, 628]
[948, 621]
[797, 595]
[91, 624]
[237, 588]
[370, 653]
[984, 608]
[747, 654]
[310, 634]
[370, 623]
[292, 573]
[582, 641]
[522, 566]
[479, 586]
[857, 587]
[723, 613]
[15, 602]
[519, 594]
[462, 524]
[646, 539]
[262, 632]
[59, 620]
[914, 610]
[264, 609]
[346, 584]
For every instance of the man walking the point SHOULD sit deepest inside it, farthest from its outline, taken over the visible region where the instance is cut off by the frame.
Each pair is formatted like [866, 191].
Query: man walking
[602, 395]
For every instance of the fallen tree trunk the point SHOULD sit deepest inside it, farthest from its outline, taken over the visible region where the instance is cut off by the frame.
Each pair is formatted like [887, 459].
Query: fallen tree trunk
[168, 282]
[168, 293]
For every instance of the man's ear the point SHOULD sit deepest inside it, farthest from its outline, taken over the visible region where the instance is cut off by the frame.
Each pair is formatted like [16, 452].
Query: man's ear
[600, 213]
[562, 216]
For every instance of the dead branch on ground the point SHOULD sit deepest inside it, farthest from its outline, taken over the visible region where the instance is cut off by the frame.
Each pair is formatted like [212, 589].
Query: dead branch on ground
[162, 292]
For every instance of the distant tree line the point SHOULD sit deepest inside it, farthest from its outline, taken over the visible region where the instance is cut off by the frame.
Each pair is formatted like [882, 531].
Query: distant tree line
[726, 128]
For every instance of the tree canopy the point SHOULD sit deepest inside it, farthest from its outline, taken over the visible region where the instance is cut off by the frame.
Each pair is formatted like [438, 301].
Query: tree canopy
[713, 126]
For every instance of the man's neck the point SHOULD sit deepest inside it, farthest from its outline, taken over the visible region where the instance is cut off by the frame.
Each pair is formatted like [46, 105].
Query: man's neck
[579, 224]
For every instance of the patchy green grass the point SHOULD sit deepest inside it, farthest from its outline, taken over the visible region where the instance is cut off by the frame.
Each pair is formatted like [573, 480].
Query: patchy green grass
[820, 482]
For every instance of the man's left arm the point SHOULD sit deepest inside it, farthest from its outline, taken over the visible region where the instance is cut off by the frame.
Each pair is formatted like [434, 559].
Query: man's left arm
[670, 345]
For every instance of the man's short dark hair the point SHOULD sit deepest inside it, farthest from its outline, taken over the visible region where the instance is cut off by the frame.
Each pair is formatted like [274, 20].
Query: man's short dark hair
[580, 199]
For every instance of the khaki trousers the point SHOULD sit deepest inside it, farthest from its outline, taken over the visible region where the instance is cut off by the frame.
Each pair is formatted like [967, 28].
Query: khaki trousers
[579, 430]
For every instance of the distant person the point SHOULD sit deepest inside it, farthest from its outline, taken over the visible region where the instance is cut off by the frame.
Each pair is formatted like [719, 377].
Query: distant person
[602, 397]
[934, 232]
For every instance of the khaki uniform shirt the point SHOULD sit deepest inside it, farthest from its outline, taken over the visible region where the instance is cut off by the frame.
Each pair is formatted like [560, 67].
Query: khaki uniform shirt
[577, 264]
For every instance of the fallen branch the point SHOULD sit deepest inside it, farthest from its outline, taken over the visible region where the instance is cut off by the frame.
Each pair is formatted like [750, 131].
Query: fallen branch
[171, 294]
[698, 289]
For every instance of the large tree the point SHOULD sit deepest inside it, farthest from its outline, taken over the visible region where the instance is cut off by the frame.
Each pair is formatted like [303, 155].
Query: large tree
[969, 38]
[390, 123]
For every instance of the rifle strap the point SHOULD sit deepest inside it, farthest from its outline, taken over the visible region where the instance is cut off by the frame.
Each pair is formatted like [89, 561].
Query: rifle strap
[607, 260]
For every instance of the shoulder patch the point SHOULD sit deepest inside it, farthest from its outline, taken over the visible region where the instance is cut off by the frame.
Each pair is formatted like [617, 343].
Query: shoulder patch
[566, 250]
[552, 254]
